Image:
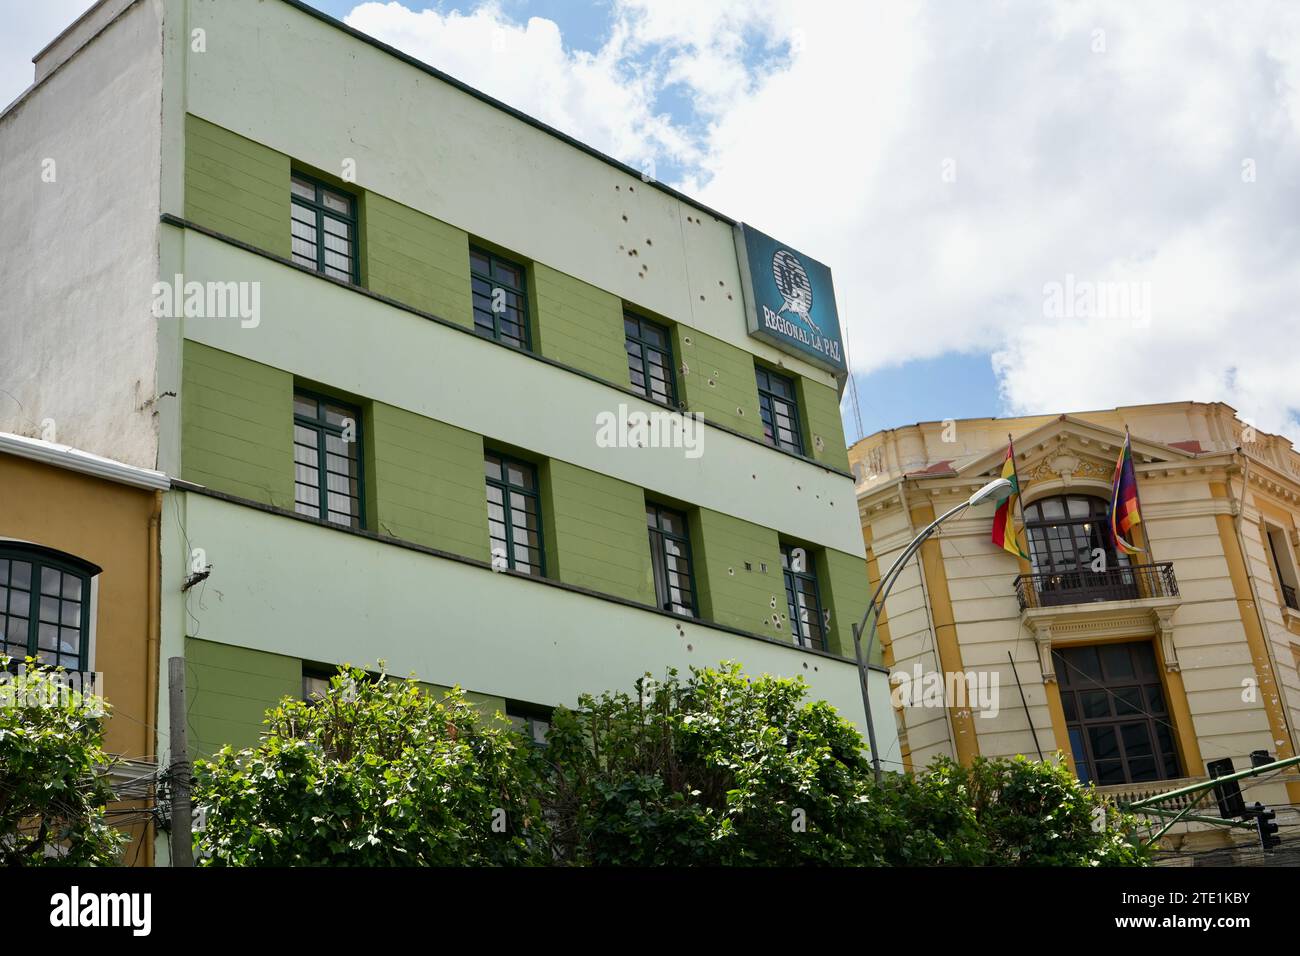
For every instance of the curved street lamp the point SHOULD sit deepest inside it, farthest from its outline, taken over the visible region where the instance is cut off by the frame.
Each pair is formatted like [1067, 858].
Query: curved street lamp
[994, 489]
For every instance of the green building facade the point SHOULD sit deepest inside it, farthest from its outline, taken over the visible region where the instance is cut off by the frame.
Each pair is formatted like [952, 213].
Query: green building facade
[411, 442]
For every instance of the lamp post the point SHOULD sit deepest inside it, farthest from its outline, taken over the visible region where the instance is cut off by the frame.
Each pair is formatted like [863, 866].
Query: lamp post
[994, 488]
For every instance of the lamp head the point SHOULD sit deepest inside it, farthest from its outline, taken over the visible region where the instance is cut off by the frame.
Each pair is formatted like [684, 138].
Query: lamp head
[997, 488]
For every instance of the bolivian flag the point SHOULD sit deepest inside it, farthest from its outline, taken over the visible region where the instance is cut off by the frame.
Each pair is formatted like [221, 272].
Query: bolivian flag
[1125, 514]
[1004, 529]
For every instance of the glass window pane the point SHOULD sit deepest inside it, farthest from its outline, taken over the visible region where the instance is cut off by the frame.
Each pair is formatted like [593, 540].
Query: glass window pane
[1116, 662]
[1137, 740]
[1095, 703]
[1128, 701]
[1105, 743]
[336, 201]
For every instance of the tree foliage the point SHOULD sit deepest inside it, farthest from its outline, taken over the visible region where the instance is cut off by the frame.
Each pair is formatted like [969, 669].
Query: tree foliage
[715, 769]
[721, 769]
[53, 773]
[376, 772]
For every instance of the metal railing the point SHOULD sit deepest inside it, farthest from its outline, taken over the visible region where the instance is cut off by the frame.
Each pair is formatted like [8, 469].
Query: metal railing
[1054, 588]
[1288, 595]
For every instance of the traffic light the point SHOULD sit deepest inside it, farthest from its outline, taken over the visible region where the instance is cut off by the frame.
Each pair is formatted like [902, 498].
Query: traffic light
[1231, 802]
[1266, 827]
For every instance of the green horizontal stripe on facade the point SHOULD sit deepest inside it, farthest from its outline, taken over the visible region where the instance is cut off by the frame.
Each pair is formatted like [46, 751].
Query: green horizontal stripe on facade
[705, 418]
[422, 263]
[842, 655]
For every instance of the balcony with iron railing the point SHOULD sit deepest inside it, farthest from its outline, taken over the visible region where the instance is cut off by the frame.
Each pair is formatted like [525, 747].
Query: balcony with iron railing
[1057, 588]
[1289, 597]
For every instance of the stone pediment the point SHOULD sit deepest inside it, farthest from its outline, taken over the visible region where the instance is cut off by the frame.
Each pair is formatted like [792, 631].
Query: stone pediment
[1068, 451]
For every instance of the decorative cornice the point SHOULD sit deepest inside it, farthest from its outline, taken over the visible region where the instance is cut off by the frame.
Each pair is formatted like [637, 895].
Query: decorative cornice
[1071, 624]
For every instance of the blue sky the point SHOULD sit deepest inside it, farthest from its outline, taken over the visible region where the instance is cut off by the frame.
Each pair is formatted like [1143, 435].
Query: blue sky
[1027, 207]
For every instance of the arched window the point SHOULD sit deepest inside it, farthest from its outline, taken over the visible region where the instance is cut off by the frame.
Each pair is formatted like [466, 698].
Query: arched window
[1073, 554]
[45, 605]
[1066, 531]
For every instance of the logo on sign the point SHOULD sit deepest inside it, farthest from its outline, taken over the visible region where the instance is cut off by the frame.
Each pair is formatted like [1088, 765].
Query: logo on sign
[794, 285]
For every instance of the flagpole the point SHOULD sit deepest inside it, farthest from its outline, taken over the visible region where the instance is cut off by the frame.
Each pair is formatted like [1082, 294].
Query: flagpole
[1137, 493]
[1020, 500]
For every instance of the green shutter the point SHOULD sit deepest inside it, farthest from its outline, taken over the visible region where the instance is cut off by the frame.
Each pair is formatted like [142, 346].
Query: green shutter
[236, 186]
[416, 259]
[428, 482]
[237, 426]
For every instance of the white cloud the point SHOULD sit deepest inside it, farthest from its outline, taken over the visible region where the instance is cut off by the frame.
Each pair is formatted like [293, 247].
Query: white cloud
[1100, 140]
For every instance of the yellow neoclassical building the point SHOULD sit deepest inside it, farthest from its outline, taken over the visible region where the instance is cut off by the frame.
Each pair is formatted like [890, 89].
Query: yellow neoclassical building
[1140, 670]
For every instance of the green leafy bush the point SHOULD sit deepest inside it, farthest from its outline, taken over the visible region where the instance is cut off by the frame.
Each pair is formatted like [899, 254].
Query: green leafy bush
[53, 773]
[1032, 813]
[373, 773]
[719, 769]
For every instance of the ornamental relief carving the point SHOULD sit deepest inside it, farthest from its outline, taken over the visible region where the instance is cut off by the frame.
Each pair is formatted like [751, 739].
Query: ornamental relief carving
[1065, 467]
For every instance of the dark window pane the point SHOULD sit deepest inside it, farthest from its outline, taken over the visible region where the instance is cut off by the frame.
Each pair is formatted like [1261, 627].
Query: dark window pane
[1116, 661]
[1096, 703]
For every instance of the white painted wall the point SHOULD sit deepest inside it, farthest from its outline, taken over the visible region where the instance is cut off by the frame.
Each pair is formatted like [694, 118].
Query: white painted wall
[79, 255]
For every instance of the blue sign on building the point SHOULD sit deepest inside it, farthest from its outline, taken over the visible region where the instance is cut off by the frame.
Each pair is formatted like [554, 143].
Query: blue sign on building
[789, 299]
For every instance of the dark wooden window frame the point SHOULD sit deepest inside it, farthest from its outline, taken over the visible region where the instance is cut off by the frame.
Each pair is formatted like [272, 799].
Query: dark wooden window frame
[321, 212]
[39, 559]
[509, 490]
[1074, 684]
[322, 428]
[803, 582]
[526, 344]
[641, 362]
[659, 560]
[767, 411]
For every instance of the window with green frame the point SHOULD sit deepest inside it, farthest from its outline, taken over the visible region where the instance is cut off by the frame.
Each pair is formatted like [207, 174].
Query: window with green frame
[500, 294]
[670, 557]
[803, 598]
[324, 224]
[650, 358]
[327, 460]
[514, 514]
[45, 606]
[778, 406]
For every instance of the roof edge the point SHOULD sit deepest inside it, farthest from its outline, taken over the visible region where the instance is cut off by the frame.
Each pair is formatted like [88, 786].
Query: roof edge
[74, 459]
